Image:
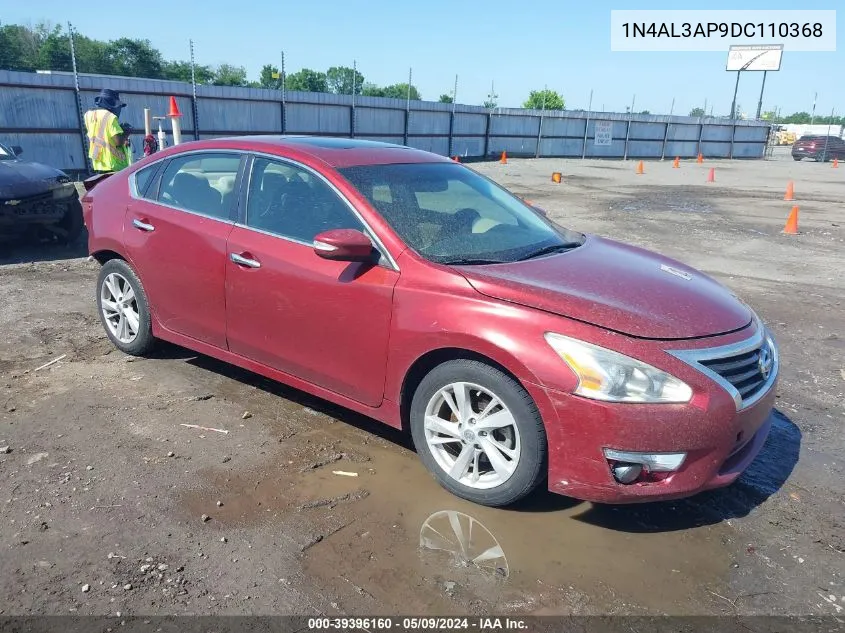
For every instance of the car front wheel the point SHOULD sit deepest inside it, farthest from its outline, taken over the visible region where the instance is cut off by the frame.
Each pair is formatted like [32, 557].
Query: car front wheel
[479, 432]
[124, 311]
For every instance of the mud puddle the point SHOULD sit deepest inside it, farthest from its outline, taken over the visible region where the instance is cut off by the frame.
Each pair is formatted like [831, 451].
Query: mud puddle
[373, 527]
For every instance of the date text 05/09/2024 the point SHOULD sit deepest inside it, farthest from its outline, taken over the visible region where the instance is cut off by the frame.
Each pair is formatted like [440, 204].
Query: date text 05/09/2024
[722, 29]
[386, 623]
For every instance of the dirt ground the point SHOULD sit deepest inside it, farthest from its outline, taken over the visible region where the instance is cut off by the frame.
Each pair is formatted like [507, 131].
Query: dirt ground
[109, 504]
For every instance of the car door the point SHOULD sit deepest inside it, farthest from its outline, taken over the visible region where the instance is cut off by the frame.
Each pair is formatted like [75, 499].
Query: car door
[327, 322]
[175, 234]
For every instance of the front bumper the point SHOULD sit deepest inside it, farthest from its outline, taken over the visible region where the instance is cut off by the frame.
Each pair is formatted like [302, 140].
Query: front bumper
[45, 208]
[719, 438]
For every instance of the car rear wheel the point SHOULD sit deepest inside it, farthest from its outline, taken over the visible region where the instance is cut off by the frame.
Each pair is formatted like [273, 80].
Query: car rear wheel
[479, 433]
[124, 311]
[797, 157]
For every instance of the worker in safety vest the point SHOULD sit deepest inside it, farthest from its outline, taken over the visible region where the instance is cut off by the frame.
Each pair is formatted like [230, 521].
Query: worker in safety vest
[108, 141]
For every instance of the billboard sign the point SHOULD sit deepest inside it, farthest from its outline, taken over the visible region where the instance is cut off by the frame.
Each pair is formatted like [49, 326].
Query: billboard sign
[765, 57]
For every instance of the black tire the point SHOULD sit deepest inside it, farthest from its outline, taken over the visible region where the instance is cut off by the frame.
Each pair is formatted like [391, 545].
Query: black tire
[144, 340]
[797, 157]
[532, 467]
[72, 223]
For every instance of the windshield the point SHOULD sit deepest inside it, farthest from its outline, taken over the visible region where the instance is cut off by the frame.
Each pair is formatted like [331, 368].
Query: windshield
[5, 153]
[451, 214]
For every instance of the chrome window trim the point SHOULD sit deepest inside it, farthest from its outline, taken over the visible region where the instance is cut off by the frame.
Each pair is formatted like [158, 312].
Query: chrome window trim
[133, 186]
[760, 338]
[385, 254]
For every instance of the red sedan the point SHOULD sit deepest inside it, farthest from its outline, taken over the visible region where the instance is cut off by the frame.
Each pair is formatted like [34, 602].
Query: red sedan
[408, 287]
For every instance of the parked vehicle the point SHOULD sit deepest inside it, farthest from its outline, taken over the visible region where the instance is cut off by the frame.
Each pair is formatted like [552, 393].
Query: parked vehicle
[36, 201]
[819, 148]
[408, 287]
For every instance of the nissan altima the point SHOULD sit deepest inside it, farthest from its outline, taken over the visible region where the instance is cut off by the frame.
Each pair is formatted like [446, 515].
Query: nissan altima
[407, 287]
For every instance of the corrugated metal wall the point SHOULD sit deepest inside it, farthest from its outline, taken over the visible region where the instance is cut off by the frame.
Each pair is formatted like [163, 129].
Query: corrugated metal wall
[39, 113]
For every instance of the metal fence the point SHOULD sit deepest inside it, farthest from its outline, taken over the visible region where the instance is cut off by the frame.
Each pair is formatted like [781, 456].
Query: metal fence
[41, 113]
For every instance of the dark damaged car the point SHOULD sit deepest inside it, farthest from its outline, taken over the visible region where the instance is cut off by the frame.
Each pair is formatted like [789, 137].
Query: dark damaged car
[37, 202]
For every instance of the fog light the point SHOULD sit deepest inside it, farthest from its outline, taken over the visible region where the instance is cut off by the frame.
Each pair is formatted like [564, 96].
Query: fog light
[626, 473]
[652, 462]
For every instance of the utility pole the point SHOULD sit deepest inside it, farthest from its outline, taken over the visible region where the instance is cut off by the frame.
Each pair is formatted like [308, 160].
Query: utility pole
[760, 102]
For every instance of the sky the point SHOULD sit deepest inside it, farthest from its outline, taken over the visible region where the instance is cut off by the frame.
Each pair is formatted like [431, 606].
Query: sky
[518, 45]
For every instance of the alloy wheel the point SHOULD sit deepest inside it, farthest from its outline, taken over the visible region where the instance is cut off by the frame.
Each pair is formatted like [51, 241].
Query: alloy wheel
[472, 435]
[120, 308]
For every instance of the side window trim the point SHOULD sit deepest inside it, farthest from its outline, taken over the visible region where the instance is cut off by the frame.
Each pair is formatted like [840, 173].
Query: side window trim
[385, 259]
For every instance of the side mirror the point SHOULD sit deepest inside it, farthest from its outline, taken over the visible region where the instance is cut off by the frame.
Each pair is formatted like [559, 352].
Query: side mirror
[346, 245]
[17, 150]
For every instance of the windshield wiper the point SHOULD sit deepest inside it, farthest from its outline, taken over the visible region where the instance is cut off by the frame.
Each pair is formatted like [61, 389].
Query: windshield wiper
[469, 261]
[548, 250]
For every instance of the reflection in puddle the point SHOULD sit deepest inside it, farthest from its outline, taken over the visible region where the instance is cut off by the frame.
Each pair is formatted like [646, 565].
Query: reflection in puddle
[466, 540]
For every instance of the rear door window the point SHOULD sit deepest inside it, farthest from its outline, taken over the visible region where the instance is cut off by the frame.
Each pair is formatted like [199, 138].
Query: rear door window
[202, 183]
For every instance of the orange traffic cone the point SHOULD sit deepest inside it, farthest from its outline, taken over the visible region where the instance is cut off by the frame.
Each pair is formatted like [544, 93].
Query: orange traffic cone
[835, 163]
[791, 227]
[677, 163]
[700, 159]
[711, 177]
[174, 108]
[790, 191]
[640, 168]
[504, 158]
[556, 176]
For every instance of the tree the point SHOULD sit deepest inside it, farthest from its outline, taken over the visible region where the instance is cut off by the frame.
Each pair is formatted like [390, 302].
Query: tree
[769, 115]
[697, 112]
[444, 98]
[400, 91]
[372, 90]
[92, 56]
[395, 91]
[135, 58]
[19, 45]
[307, 80]
[799, 117]
[270, 77]
[54, 52]
[645, 112]
[544, 99]
[228, 75]
[341, 79]
[181, 71]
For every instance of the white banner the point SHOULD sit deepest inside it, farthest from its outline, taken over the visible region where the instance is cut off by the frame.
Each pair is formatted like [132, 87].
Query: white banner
[604, 132]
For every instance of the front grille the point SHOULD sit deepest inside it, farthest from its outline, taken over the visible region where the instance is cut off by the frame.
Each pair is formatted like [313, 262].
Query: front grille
[746, 369]
[742, 371]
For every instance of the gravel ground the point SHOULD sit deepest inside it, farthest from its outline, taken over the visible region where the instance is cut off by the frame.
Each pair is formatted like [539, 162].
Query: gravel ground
[109, 503]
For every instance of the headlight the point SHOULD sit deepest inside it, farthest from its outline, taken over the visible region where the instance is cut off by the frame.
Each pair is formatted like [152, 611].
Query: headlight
[613, 377]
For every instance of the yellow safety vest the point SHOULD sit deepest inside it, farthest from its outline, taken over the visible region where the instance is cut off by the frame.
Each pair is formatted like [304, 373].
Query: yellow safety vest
[103, 129]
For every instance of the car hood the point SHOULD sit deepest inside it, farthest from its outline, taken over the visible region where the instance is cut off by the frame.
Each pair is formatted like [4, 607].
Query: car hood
[618, 287]
[21, 178]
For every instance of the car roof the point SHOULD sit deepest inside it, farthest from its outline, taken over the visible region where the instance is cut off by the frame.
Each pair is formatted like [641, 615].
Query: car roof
[334, 151]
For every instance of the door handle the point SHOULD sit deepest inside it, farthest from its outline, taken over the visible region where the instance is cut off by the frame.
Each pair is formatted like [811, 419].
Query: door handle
[138, 224]
[243, 261]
